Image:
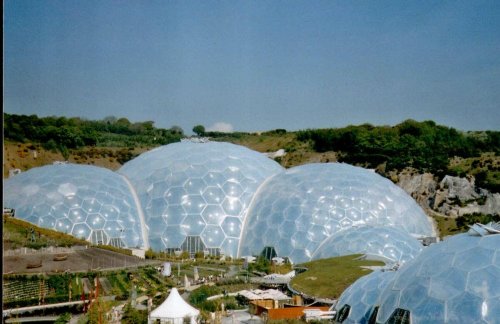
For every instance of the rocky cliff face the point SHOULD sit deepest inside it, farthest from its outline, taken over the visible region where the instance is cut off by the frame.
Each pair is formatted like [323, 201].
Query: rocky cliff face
[452, 196]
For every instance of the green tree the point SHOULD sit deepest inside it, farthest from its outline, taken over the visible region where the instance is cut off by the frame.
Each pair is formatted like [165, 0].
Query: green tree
[199, 130]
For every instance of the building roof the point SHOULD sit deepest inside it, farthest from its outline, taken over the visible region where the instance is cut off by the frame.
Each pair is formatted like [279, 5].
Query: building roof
[257, 294]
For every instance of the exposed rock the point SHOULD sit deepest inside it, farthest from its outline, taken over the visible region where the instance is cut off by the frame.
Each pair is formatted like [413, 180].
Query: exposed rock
[490, 206]
[462, 189]
[278, 153]
[422, 187]
[453, 196]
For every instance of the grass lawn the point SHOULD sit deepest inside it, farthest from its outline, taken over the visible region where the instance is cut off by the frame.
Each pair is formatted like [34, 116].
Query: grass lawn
[446, 226]
[328, 278]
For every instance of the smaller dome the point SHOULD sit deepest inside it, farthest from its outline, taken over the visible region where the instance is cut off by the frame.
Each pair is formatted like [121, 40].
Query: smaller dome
[455, 281]
[88, 202]
[388, 243]
[297, 210]
[356, 304]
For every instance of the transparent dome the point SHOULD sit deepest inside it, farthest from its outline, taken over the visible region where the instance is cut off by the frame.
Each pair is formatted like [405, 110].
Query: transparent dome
[295, 211]
[455, 281]
[196, 195]
[391, 244]
[85, 201]
[356, 303]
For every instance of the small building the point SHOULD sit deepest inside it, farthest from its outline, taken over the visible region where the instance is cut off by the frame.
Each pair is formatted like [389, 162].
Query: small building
[262, 300]
[272, 304]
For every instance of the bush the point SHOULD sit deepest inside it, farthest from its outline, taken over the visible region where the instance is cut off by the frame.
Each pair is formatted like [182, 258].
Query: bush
[134, 316]
[200, 295]
[470, 219]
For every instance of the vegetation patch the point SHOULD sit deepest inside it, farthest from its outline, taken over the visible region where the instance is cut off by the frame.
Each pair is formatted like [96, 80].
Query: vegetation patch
[424, 146]
[18, 233]
[333, 275]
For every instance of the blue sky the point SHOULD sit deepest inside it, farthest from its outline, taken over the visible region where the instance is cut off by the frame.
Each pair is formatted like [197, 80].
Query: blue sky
[255, 65]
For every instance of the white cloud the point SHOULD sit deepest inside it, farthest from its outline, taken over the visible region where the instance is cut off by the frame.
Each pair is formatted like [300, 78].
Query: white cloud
[220, 127]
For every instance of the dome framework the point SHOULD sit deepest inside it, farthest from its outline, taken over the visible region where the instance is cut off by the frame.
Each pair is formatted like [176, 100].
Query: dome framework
[297, 210]
[196, 195]
[85, 201]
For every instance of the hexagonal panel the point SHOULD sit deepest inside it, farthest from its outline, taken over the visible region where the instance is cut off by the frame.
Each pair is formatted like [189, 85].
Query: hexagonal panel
[172, 238]
[193, 204]
[213, 214]
[91, 205]
[232, 206]
[47, 222]
[232, 188]
[447, 284]
[232, 227]
[213, 236]
[174, 215]
[194, 186]
[175, 195]
[473, 259]
[81, 230]
[110, 212]
[485, 282]
[213, 195]
[113, 228]
[95, 221]
[193, 225]
[77, 215]
[429, 310]
[64, 225]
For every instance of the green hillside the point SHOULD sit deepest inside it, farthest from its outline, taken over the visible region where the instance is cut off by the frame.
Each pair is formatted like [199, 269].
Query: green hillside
[328, 278]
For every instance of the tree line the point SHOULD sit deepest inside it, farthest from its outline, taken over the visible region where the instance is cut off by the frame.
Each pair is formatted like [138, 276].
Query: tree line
[422, 145]
[69, 133]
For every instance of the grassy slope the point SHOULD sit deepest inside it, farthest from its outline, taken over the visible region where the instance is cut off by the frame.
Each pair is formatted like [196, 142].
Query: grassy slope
[21, 156]
[17, 233]
[298, 153]
[328, 278]
[487, 162]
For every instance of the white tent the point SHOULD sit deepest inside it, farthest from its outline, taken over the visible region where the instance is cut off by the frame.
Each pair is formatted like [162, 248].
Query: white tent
[173, 310]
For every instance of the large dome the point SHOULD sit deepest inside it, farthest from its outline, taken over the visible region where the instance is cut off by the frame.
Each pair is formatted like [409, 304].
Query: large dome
[455, 281]
[295, 211]
[357, 302]
[85, 201]
[390, 244]
[196, 195]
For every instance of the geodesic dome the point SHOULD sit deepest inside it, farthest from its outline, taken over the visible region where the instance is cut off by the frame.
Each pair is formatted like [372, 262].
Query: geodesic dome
[296, 210]
[196, 195]
[356, 303]
[85, 201]
[455, 281]
[388, 243]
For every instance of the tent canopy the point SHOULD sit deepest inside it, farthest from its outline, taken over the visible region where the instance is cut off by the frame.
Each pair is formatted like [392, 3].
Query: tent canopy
[174, 307]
